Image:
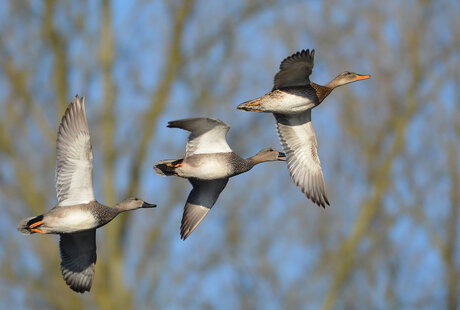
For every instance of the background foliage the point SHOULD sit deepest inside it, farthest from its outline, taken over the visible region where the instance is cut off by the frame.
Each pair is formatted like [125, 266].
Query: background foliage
[389, 148]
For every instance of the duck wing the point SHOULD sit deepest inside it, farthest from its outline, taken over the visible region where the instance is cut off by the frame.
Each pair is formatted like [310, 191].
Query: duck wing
[295, 70]
[299, 143]
[74, 163]
[78, 254]
[200, 200]
[207, 135]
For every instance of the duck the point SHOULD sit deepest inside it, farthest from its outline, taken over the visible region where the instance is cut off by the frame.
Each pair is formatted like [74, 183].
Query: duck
[208, 164]
[291, 100]
[77, 214]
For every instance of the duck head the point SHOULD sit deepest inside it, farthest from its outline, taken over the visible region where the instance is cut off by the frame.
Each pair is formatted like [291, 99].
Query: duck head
[133, 203]
[268, 154]
[345, 78]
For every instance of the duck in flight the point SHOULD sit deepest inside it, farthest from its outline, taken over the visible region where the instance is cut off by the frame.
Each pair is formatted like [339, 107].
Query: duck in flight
[77, 213]
[291, 100]
[208, 164]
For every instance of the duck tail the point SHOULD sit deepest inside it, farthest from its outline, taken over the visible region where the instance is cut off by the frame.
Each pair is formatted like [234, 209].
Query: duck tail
[167, 167]
[24, 226]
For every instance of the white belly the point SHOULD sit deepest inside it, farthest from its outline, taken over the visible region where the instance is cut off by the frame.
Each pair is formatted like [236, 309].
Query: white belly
[207, 169]
[72, 221]
[289, 103]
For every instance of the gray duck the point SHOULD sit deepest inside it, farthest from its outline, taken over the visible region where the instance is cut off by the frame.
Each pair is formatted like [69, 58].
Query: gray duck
[291, 100]
[208, 164]
[77, 214]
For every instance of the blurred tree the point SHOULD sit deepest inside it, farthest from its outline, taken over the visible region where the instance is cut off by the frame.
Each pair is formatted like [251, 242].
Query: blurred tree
[389, 239]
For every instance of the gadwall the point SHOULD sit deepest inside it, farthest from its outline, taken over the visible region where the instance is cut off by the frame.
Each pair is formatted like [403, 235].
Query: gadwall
[208, 164]
[77, 214]
[291, 100]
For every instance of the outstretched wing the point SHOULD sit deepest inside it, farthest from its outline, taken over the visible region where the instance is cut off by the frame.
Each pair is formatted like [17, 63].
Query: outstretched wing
[295, 70]
[207, 135]
[299, 143]
[78, 254]
[74, 163]
[201, 199]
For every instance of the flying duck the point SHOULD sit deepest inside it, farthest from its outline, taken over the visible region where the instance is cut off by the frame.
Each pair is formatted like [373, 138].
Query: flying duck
[77, 214]
[291, 100]
[208, 164]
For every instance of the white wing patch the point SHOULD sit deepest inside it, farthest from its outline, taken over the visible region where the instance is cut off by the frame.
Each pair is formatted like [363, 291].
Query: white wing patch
[207, 135]
[209, 142]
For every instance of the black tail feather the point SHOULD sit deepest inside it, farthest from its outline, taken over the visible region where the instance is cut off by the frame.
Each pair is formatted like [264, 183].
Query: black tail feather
[24, 226]
[163, 167]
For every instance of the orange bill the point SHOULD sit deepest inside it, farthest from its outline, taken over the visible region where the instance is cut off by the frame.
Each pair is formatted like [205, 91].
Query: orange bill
[281, 156]
[362, 77]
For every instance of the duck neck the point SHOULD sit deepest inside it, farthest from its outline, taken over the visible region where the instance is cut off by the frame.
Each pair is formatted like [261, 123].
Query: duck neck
[121, 207]
[103, 213]
[252, 161]
[323, 91]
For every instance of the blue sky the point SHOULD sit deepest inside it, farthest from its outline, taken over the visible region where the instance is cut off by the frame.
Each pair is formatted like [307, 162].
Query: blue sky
[277, 228]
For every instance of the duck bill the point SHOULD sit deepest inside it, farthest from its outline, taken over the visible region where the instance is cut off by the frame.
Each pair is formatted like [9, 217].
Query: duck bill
[281, 156]
[148, 205]
[362, 77]
[250, 106]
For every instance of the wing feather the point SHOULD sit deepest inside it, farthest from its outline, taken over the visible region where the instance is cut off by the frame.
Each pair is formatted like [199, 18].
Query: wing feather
[207, 135]
[78, 254]
[74, 162]
[201, 199]
[299, 143]
[295, 70]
